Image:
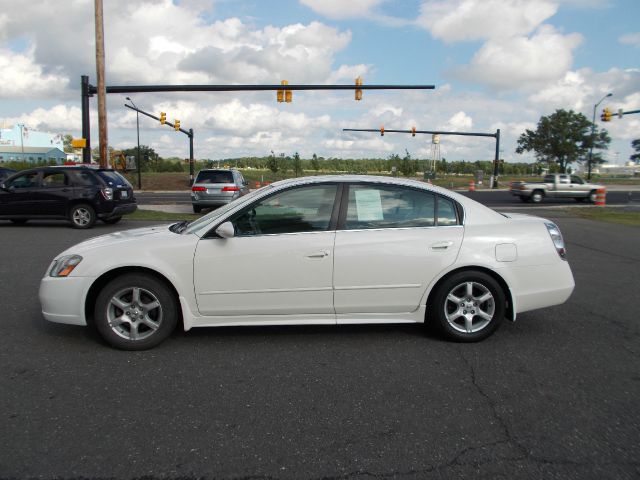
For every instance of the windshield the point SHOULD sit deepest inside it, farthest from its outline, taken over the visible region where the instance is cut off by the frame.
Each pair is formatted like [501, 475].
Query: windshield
[211, 216]
[214, 176]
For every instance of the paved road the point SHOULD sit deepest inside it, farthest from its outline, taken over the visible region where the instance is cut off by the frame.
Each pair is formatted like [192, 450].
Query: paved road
[495, 199]
[554, 395]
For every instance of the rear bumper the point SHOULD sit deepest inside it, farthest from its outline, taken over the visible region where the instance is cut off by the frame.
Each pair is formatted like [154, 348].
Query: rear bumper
[119, 210]
[211, 200]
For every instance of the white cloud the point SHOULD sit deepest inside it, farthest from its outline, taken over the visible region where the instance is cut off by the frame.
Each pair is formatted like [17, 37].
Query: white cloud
[21, 77]
[523, 62]
[459, 121]
[57, 118]
[341, 9]
[632, 39]
[457, 20]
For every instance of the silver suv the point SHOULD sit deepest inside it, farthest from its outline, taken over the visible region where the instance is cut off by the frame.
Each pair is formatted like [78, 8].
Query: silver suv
[214, 187]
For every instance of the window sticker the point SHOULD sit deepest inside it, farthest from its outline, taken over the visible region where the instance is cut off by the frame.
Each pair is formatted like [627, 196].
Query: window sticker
[369, 205]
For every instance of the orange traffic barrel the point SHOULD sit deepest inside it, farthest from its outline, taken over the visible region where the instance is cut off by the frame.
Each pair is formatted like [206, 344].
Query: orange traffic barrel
[601, 197]
[257, 184]
[472, 186]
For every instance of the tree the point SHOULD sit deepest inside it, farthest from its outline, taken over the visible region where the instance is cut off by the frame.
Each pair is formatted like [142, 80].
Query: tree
[272, 163]
[315, 163]
[562, 138]
[635, 157]
[407, 166]
[297, 165]
[66, 142]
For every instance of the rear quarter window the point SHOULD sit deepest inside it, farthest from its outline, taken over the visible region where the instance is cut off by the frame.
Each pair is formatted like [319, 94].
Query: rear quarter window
[113, 179]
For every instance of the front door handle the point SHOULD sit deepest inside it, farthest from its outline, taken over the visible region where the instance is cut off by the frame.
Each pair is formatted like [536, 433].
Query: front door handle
[441, 245]
[320, 254]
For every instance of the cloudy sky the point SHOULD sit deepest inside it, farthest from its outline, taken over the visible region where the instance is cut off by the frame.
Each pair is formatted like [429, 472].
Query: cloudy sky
[495, 64]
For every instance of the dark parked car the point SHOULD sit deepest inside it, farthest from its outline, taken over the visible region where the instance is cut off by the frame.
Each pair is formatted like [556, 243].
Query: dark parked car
[79, 194]
[5, 172]
[216, 187]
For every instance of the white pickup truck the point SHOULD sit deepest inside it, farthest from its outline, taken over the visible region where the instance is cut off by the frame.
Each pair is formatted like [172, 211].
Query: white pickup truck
[558, 185]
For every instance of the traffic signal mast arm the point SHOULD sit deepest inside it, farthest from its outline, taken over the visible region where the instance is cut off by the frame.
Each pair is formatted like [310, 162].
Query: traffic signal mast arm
[413, 132]
[244, 88]
[186, 132]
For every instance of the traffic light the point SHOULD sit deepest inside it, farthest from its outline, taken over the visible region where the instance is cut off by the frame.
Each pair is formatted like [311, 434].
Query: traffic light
[284, 95]
[382, 131]
[176, 125]
[413, 131]
[606, 115]
[163, 118]
[358, 90]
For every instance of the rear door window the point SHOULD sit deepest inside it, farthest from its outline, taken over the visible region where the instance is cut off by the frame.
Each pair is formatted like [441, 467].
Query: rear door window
[54, 179]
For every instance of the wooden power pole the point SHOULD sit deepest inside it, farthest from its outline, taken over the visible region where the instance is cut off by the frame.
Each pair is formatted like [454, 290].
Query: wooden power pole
[102, 97]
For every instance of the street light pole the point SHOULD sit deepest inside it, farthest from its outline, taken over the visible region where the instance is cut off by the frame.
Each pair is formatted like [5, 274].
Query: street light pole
[138, 151]
[593, 128]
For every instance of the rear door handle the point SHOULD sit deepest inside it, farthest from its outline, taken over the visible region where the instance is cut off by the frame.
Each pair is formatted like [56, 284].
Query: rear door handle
[441, 245]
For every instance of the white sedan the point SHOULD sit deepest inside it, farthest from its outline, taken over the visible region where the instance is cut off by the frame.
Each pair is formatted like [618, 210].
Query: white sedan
[315, 250]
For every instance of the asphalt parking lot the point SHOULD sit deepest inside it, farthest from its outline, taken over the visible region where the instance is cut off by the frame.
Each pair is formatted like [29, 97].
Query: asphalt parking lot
[553, 395]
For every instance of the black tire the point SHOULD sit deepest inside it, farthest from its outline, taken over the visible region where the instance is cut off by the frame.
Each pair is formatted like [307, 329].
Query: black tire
[460, 320]
[82, 216]
[537, 196]
[18, 221]
[120, 317]
[197, 208]
[593, 196]
[111, 220]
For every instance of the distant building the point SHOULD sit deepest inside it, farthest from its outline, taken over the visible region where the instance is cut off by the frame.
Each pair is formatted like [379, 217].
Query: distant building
[21, 143]
[31, 154]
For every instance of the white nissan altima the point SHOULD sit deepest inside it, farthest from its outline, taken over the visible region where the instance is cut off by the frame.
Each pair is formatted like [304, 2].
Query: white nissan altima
[315, 250]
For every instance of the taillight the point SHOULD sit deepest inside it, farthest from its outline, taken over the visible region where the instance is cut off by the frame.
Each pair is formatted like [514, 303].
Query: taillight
[230, 189]
[557, 239]
[107, 193]
[198, 189]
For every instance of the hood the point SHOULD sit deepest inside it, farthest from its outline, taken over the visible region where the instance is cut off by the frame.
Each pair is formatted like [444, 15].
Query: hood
[117, 238]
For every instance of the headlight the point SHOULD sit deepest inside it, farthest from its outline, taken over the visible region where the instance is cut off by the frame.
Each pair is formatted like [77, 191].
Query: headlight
[65, 265]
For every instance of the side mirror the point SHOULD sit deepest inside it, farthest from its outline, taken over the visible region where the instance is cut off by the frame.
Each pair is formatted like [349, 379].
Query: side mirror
[226, 230]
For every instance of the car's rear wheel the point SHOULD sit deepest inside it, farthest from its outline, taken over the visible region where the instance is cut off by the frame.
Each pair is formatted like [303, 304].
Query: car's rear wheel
[197, 208]
[82, 216]
[18, 221]
[135, 312]
[468, 306]
[537, 196]
[111, 220]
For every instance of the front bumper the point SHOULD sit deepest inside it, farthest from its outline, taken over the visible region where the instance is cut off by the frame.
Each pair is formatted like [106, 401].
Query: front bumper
[63, 298]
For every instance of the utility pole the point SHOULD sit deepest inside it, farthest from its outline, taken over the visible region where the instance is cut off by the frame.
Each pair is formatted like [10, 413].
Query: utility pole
[102, 97]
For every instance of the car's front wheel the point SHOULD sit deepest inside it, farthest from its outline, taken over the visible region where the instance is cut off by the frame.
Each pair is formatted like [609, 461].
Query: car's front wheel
[468, 306]
[197, 208]
[135, 312]
[82, 216]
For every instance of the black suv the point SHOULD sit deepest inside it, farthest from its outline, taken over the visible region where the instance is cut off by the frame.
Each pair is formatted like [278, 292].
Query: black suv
[80, 194]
